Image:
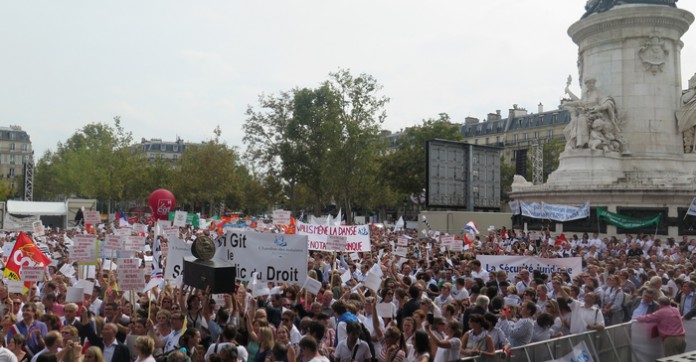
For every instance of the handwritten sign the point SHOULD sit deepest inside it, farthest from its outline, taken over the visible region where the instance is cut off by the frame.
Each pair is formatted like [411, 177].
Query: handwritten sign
[180, 218]
[170, 232]
[113, 242]
[140, 228]
[134, 243]
[38, 228]
[281, 217]
[401, 241]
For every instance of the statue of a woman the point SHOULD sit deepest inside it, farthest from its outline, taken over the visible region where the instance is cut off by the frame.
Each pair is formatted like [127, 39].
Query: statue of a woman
[686, 117]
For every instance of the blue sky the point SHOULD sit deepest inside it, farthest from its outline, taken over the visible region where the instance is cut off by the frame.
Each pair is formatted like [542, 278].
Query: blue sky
[180, 68]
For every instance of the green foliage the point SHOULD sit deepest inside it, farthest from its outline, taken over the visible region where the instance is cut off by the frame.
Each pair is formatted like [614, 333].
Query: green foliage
[507, 173]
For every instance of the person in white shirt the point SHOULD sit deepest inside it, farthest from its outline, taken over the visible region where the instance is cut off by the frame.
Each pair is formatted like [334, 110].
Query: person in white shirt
[53, 341]
[523, 284]
[309, 350]
[477, 271]
[352, 348]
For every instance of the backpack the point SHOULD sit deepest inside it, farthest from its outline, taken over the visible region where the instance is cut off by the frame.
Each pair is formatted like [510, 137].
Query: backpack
[365, 336]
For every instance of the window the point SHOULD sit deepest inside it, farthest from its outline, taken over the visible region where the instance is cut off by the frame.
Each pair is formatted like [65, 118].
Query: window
[549, 133]
[476, 141]
[12, 173]
[13, 146]
[13, 135]
[25, 147]
[497, 139]
[526, 136]
[487, 142]
[12, 159]
[516, 137]
[163, 147]
[536, 135]
[554, 118]
[175, 148]
[176, 157]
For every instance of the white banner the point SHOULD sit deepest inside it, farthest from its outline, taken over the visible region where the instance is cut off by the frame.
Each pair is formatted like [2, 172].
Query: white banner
[278, 258]
[17, 223]
[692, 207]
[178, 249]
[555, 211]
[514, 207]
[358, 236]
[580, 353]
[513, 264]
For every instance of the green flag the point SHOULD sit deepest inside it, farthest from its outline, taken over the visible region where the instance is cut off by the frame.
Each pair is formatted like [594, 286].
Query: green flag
[627, 222]
[191, 218]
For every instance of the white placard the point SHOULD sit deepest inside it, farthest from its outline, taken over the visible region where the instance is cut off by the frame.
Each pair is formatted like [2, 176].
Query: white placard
[113, 242]
[512, 264]
[402, 241]
[38, 228]
[281, 217]
[456, 245]
[134, 243]
[67, 270]
[354, 256]
[75, 295]
[130, 275]
[336, 243]
[178, 249]
[92, 217]
[84, 249]
[180, 218]
[278, 258]
[345, 277]
[123, 231]
[154, 282]
[312, 285]
[86, 285]
[385, 310]
[373, 281]
[358, 235]
[401, 251]
[109, 265]
[446, 241]
[140, 228]
[15, 286]
[32, 273]
[170, 232]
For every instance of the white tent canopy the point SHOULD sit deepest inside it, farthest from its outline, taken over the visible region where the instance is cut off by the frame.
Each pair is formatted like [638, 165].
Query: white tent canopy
[37, 208]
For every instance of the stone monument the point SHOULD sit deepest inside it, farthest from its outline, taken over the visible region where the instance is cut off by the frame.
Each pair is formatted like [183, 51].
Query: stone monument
[631, 141]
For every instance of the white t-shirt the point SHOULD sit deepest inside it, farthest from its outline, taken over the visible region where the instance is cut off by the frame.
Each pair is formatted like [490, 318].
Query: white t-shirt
[319, 359]
[242, 352]
[449, 354]
[345, 354]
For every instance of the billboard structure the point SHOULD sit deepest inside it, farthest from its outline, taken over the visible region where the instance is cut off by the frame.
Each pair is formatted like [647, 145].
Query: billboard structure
[462, 176]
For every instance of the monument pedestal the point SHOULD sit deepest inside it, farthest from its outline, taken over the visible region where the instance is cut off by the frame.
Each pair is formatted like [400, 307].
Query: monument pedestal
[629, 55]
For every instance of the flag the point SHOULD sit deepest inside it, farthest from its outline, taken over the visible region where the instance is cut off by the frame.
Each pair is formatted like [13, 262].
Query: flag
[291, 229]
[337, 220]
[466, 240]
[427, 224]
[24, 253]
[471, 227]
[692, 207]
[121, 217]
[560, 240]
[156, 256]
[399, 224]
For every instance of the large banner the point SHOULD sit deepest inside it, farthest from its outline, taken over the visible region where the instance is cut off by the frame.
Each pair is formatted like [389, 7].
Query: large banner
[627, 222]
[555, 211]
[513, 264]
[16, 223]
[278, 258]
[357, 236]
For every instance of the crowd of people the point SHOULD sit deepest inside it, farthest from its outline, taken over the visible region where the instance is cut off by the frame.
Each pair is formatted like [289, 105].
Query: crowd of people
[431, 305]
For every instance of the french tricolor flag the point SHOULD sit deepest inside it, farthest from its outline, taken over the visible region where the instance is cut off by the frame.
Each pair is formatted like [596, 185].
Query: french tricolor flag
[471, 227]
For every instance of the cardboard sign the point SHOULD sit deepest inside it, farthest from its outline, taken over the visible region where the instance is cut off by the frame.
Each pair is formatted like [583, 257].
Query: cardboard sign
[385, 310]
[32, 273]
[281, 217]
[130, 275]
[15, 286]
[401, 251]
[140, 228]
[373, 281]
[170, 232]
[67, 270]
[456, 245]
[178, 249]
[345, 277]
[75, 295]
[92, 217]
[113, 242]
[446, 241]
[180, 218]
[86, 285]
[123, 231]
[336, 243]
[38, 228]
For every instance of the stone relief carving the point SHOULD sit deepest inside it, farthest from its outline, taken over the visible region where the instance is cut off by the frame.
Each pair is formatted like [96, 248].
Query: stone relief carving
[653, 54]
[686, 117]
[594, 121]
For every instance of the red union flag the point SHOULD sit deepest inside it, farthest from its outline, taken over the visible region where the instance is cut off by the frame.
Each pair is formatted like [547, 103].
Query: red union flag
[24, 253]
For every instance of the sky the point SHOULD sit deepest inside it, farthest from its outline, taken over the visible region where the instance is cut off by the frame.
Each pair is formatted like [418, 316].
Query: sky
[180, 68]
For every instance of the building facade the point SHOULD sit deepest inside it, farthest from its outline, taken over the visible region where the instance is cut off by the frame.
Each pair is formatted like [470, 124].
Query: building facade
[15, 151]
[156, 149]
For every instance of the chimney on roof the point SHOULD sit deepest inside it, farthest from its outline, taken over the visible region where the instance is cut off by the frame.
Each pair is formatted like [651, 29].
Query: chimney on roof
[471, 120]
[541, 107]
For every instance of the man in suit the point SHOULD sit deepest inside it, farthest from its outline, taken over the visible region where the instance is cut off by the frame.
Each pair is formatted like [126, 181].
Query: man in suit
[687, 307]
[644, 305]
[107, 342]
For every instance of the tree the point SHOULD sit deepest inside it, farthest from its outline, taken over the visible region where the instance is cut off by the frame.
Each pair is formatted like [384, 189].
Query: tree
[207, 174]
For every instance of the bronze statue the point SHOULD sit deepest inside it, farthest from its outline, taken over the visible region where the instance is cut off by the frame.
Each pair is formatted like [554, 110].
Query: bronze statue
[600, 6]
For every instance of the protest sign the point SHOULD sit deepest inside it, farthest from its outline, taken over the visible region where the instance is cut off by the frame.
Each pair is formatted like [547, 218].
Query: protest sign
[456, 245]
[67, 270]
[513, 264]
[358, 236]
[92, 217]
[178, 249]
[346, 276]
[38, 228]
[170, 232]
[312, 285]
[84, 249]
[75, 295]
[113, 242]
[123, 231]
[281, 217]
[130, 275]
[554, 211]
[15, 286]
[446, 241]
[354, 256]
[373, 281]
[401, 241]
[32, 273]
[401, 251]
[140, 228]
[336, 243]
[275, 257]
[86, 285]
[180, 218]
[134, 243]
[385, 310]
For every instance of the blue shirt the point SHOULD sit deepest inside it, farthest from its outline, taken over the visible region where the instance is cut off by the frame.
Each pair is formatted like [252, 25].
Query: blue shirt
[28, 332]
[642, 309]
[688, 303]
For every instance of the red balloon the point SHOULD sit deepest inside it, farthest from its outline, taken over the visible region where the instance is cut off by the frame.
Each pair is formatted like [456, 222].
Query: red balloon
[161, 202]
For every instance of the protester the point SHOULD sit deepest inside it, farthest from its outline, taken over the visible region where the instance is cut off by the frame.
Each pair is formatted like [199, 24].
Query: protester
[669, 326]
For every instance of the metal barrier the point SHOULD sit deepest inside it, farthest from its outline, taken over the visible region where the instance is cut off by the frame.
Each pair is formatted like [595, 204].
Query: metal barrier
[611, 344]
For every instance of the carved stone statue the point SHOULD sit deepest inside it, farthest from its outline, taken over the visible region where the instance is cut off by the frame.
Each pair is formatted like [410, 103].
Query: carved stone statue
[600, 6]
[686, 117]
[593, 121]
